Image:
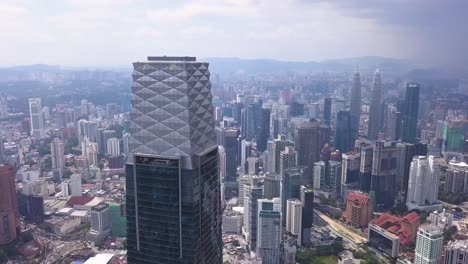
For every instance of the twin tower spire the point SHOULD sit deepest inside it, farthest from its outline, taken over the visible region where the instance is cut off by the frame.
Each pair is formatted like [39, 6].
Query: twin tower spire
[355, 103]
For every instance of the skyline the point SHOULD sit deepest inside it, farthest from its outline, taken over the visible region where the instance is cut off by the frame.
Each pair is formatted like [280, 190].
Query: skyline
[108, 32]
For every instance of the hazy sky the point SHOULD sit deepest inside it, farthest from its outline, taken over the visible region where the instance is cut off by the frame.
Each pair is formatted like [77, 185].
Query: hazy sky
[81, 32]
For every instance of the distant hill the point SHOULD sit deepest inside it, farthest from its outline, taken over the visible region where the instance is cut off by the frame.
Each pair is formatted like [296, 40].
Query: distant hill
[228, 66]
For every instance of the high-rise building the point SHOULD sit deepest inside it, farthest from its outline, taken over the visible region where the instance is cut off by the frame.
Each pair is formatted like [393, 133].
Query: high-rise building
[423, 184]
[37, 118]
[231, 145]
[327, 105]
[355, 100]
[429, 244]
[84, 107]
[346, 131]
[365, 169]
[3, 106]
[456, 180]
[2, 151]
[269, 233]
[383, 181]
[118, 220]
[57, 151]
[271, 186]
[263, 130]
[100, 222]
[287, 159]
[393, 123]
[113, 146]
[405, 154]
[174, 164]
[456, 252]
[253, 193]
[125, 141]
[358, 210]
[104, 136]
[294, 218]
[375, 110]
[453, 136]
[65, 187]
[89, 150]
[307, 200]
[410, 113]
[10, 223]
[76, 185]
[351, 162]
[279, 145]
[87, 129]
[307, 145]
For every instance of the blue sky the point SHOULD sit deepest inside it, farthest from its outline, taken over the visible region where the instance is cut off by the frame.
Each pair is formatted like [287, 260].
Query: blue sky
[81, 32]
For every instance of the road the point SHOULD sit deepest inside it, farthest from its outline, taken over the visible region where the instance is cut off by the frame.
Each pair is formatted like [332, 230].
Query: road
[341, 230]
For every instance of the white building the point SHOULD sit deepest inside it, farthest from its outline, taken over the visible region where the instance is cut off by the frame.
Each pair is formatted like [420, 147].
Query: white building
[100, 222]
[456, 252]
[58, 153]
[423, 184]
[65, 188]
[443, 219]
[269, 233]
[89, 150]
[294, 218]
[37, 118]
[76, 185]
[113, 146]
[429, 243]
[232, 221]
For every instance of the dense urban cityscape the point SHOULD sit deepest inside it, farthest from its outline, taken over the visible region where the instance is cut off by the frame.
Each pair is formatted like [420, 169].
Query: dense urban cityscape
[185, 155]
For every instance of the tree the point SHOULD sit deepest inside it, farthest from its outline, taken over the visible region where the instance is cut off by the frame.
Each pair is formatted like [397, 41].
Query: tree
[27, 237]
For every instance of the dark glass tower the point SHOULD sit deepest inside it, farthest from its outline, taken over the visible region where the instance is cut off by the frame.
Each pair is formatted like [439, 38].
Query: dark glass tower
[173, 189]
[346, 131]
[383, 180]
[327, 111]
[263, 130]
[308, 146]
[410, 113]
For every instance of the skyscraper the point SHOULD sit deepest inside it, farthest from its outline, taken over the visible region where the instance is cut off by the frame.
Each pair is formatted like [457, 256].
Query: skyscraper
[307, 200]
[346, 131]
[456, 252]
[294, 218]
[57, 152]
[174, 164]
[375, 110]
[113, 146]
[405, 154]
[429, 243]
[10, 223]
[231, 146]
[3, 106]
[263, 130]
[307, 145]
[253, 192]
[279, 145]
[269, 231]
[410, 113]
[350, 171]
[327, 104]
[355, 100]
[423, 184]
[76, 185]
[287, 159]
[383, 179]
[37, 118]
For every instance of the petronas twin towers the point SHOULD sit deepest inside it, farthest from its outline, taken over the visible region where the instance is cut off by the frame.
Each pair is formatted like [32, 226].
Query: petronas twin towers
[375, 106]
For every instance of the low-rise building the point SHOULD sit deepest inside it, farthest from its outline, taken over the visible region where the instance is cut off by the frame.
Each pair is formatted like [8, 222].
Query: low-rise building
[358, 210]
[63, 225]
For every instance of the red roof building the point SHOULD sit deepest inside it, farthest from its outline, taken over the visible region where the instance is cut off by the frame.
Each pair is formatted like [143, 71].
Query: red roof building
[358, 210]
[405, 228]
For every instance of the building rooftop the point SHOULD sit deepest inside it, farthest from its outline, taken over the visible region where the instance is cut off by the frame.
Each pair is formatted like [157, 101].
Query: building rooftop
[399, 226]
[361, 198]
[102, 258]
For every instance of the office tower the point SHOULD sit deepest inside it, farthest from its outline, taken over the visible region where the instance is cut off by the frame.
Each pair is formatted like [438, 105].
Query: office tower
[100, 222]
[64, 186]
[453, 136]
[249, 122]
[307, 145]
[429, 243]
[355, 102]
[307, 200]
[125, 141]
[423, 184]
[245, 151]
[351, 163]
[365, 168]
[89, 150]
[3, 106]
[287, 159]
[279, 145]
[263, 130]
[405, 154]
[253, 165]
[269, 233]
[76, 185]
[57, 153]
[113, 146]
[346, 131]
[104, 137]
[231, 147]
[375, 108]
[393, 119]
[456, 180]
[456, 252]
[290, 186]
[294, 218]
[383, 179]
[37, 118]
[410, 113]
[174, 165]
[327, 177]
[253, 192]
[10, 224]
[118, 220]
[271, 186]
[324, 135]
[87, 129]
[327, 104]
[358, 210]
